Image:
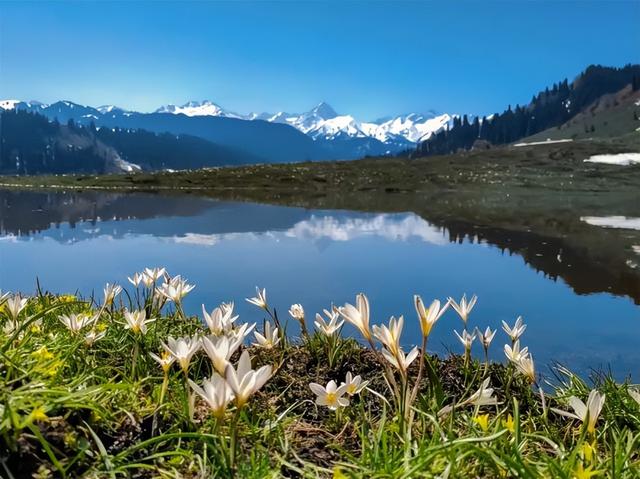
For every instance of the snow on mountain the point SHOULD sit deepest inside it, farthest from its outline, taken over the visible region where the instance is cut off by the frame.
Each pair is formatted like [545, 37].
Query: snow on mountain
[8, 104]
[413, 127]
[198, 108]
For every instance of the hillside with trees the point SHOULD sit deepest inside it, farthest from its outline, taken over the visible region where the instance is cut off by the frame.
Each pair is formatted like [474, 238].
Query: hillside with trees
[31, 144]
[550, 108]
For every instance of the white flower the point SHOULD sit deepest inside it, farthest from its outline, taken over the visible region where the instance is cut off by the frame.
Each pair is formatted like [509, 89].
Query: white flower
[390, 336]
[358, 315]
[270, 337]
[165, 360]
[110, 293]
[526, 367]
[517, 330]
[220, 349]
[483, 396]
[589, 412]
[183, 349]
[486, 337]
[151, 275]
[428, 317]
[241, 332]
[15, 305]
[400, 361]
[220, 320]
[136, 279]
[137, 321]
[464, 308]
[297, 312]
[334, 324]
[331, 396]
[176, 289]
[466, 339]
[354, 384]
[244, 381]
[260, 300]
[76, 322]
[93, 336]
[216, 393]
[515, 354]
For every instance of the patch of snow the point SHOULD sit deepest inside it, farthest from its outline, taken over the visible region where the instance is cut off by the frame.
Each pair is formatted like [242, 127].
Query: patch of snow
[126, 166]
[195, 108]
[548, 141]
[622, 222]
[8, 104]
[622, 159]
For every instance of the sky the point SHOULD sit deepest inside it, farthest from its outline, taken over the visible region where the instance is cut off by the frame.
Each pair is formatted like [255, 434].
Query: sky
[369, 59]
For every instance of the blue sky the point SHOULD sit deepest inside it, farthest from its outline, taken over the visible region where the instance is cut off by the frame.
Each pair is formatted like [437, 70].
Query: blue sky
[369, 59]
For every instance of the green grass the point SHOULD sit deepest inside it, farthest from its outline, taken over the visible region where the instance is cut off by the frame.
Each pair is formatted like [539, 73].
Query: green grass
[69, 409]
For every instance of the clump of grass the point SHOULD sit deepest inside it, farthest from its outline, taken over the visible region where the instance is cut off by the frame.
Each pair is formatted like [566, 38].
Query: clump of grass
[131, 386]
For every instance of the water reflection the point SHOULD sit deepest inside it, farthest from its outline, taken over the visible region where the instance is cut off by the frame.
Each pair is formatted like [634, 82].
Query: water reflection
[79, 241]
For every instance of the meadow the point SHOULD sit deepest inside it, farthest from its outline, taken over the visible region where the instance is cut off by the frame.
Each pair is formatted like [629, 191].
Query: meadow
[128, 385]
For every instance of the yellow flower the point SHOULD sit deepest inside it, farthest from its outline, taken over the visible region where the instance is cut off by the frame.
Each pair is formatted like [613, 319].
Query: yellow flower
[581, 473]
[482, 420]
[42, 354]
[38, 414]
[509, 424]
[67, 298]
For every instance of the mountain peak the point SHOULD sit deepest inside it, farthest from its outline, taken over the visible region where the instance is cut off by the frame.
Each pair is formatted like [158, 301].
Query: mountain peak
[324, 110]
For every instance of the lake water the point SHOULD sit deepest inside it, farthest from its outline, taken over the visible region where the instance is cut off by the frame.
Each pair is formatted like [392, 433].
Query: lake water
[78, 241]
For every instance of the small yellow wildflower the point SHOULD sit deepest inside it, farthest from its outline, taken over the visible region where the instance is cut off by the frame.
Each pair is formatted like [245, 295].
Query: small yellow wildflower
[581, 473]
[482, 420]
[39, 414]
[509, 424]
[587, 451]
[101, 327]
[42, 354]
[67, 298]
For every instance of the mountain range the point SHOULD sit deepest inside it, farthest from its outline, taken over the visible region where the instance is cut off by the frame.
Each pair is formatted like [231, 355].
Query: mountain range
[318, 134]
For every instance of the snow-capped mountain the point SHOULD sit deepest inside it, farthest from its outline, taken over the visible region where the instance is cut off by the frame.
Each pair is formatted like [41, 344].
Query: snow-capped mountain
[336, 136]
[198, 108]
[323, 123]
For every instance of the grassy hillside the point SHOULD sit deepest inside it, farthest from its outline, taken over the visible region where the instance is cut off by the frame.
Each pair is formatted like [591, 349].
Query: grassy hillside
[610, 116]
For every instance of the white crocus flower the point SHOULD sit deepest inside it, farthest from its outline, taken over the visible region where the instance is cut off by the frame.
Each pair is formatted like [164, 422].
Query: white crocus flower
[270, 337]
[165, 360]
[464, 307]
[486, 337]
[241, 331]
[15, 305]
[466, 339]
[297, 312]
[154, 274]
[216, 393]
[220, 349]
[587, 413]
[354, 384]
[331, 396]
[176, 289]
[93, 336]
[400, 361]
[515, 354]
[390, 336]
[219, 321]
[245, 381]
[328, 328]
[110, 293]
[136, 279]
[526, 367]
[137, 321]
[428, 317]
[183, 349]
[516, 331]
[358, 315]
[76, 322]
[260, 300]
[483, 396]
